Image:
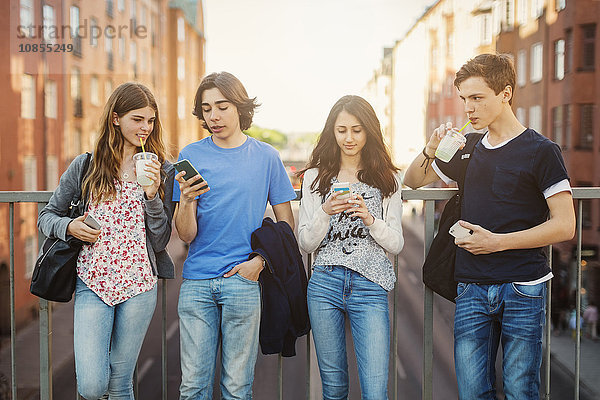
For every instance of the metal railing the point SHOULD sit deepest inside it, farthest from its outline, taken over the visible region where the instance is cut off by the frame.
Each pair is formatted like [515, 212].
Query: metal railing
[428, 196]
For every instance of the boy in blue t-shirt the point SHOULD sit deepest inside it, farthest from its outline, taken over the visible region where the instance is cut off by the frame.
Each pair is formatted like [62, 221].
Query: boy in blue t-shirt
[517, 200]
[219, 300]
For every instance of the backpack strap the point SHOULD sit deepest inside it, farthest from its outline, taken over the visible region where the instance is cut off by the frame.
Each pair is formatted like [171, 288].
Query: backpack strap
[472, 140]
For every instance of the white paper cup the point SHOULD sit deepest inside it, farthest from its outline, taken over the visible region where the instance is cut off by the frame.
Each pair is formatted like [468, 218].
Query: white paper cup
[449, 145]
[141, 159]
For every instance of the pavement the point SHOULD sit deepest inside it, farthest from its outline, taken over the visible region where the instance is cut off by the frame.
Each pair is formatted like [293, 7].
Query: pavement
[27, 346]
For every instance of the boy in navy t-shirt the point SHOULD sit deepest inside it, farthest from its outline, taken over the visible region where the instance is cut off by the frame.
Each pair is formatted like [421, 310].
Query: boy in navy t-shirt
[219, 300]
[517, 200]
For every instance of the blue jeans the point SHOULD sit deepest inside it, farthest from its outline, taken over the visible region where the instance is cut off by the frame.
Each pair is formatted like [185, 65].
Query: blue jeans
[334, 293]
[487, 315]
[212, 311]
[107, 341]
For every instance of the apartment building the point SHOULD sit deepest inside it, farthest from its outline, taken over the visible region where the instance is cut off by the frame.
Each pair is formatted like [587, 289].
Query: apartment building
[54, 99]
[555, 45]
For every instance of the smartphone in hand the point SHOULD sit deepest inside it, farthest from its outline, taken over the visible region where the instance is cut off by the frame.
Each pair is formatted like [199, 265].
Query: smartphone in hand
[459, 231]
[190, 171]
[91, 222]
[343, 188]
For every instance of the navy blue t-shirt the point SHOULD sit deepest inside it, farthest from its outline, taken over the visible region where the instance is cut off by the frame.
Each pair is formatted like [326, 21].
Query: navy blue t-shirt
[503, 193]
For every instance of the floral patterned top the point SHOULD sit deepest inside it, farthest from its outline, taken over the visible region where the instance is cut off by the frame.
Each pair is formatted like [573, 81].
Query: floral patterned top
[116, 267]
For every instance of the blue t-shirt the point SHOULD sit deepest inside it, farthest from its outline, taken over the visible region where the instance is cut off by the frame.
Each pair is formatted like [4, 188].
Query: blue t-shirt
[503, 193]
[241, 181]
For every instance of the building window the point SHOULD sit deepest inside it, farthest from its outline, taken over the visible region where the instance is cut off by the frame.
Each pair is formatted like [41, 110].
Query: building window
[522, 12]
[133, 54]
[26, 18]
[133, 10]
[76, 93]
[520, 114]
[180, 107]
[557, 125]
[589, 44]
[31, 253]
[536, 62]
[74, 19]
[122, 48]
[560, 4]
[180, 68]
[568, 111]
[180, 29]
[121, 5]
[144, 60]
[535, 118]
[586, 137]
[559, 59]
[568, 50]
[50, 99]
[537, 8]
[509, 13]
[521, 67]
[110, 8]
[51, 172]
[94, 29]
[94, 91]
[586, 210]
[108, 88]
[27, 97]
[49, 24]
[29, 174]
[142, 15]
[485, 29]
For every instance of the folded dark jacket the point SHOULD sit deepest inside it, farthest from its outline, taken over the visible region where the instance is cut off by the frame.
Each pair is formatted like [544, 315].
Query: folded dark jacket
[284, 315]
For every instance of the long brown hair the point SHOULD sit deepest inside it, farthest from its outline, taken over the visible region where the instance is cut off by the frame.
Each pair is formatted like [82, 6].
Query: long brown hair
[377, 169]
[108, 152]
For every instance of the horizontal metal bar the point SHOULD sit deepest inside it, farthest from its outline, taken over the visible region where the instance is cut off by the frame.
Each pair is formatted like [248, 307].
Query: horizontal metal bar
[24, 197]
[407, 194]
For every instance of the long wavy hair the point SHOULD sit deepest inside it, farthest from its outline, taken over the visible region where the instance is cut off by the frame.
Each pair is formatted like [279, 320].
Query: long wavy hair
[100, 184]
[376, 169]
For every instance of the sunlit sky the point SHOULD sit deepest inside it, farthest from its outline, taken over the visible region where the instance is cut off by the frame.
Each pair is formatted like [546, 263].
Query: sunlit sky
[299, 56]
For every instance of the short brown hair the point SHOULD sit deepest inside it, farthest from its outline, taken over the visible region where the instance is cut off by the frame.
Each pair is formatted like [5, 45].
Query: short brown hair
[497, 70]
[233, 90]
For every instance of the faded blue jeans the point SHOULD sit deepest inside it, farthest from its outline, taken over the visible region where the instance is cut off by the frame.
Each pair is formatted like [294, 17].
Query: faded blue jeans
[334, 293]
[217, 311]
[107, 341]
[487, 315]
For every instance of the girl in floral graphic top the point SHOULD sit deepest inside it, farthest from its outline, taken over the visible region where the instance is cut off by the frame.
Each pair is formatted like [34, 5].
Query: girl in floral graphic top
[350, 237]
[117, 269]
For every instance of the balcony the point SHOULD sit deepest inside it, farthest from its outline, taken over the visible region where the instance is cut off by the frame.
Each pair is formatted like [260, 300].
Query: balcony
[428, 196]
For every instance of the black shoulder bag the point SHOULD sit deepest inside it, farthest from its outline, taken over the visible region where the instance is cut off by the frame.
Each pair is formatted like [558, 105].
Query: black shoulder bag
[55, 271]
[438, 268]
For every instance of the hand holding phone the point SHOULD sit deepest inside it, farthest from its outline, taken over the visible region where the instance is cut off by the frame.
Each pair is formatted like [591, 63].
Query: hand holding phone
[190, 171]
[91, 222]
[459, 231]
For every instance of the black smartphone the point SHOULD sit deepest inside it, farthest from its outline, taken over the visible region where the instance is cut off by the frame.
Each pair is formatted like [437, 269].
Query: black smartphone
[190, 171]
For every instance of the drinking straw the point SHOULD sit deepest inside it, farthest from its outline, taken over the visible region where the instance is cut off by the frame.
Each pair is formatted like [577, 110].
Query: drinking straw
[464, 126]
[146, 157]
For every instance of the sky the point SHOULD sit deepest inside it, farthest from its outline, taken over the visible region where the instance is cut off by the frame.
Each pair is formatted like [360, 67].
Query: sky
[299, 56]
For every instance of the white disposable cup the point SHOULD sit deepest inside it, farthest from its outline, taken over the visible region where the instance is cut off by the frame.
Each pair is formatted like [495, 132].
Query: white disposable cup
[141, 159]
[449, 145]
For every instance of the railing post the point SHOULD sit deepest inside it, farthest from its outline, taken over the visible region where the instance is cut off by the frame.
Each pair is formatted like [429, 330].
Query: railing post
[395, 335]
[578, 298]
[163, 353]
[548, 328]
[308, 358]
[45, 321]
[45, 350]
[428, 309]
[11, 271]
